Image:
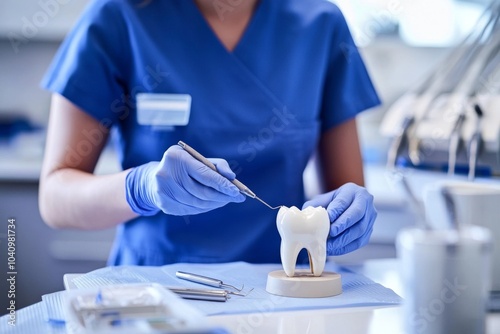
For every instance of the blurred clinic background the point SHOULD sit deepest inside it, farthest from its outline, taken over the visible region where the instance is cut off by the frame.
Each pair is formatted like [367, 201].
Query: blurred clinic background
[402, 41]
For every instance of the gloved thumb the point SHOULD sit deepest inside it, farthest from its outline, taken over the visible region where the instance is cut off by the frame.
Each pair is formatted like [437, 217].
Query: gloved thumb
[319, 200]
[339, 204]
[223, 168]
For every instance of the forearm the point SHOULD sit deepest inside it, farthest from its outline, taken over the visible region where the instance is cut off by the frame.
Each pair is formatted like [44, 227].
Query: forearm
[71, 198]
[340, 156]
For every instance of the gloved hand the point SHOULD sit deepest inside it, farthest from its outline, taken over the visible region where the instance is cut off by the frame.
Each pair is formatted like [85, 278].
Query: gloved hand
[180, 185]
[352, 214]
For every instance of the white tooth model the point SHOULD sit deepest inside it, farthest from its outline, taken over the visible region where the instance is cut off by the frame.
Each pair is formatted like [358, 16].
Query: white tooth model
[301, 229]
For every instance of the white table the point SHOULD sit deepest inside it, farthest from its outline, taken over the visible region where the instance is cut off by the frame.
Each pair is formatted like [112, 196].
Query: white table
[387, 320]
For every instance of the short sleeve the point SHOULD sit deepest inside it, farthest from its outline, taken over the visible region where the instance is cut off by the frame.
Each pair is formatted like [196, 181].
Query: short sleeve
[348, 89]
[88, 68]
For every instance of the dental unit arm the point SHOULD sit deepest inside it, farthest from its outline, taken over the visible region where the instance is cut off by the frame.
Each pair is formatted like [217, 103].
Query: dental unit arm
[436, 125]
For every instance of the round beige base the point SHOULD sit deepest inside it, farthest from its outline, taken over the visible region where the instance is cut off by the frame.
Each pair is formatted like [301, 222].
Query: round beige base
[304, 284]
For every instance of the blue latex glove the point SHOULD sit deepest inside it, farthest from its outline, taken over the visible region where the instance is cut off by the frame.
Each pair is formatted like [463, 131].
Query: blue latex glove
[352, 214]
[180, 185]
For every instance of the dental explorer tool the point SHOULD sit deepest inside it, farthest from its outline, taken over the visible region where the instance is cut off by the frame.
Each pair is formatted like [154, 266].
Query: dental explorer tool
[243, 188]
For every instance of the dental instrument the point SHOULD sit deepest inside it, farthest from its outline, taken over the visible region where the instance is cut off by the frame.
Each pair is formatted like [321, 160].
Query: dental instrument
[450, 208]
[475, 143]
[444, 80]
[468, 69]
[455, 144]
[243, 188]
[203, 294]
[483, 53]
[415, 204]
[397, 143]
[205, 280]
[476, 138]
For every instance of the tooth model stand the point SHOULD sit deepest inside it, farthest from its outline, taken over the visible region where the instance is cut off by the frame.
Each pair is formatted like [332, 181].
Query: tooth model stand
[303, 229]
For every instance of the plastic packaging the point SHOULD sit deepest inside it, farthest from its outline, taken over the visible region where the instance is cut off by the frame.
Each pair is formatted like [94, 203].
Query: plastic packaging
[131, 308]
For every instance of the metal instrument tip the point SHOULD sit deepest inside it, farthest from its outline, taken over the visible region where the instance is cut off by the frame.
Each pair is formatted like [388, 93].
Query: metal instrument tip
[270, 207]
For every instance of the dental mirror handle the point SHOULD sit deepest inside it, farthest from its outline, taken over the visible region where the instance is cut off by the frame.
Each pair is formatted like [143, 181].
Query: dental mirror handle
[195, 154]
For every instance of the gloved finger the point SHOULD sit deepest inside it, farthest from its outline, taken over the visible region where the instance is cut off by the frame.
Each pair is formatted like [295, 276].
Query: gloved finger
[356, 231]
[195, 206]
[191, 189]
[188, 167]
[223, 168]
[199, 205]
[341, 201]
[203, 199]
[319, 200]
[207, 177]
[333, 249]
[352, 215]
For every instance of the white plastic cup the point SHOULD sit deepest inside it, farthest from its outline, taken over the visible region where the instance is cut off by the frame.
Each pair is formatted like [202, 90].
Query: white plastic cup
[446, 279]
[476, 204]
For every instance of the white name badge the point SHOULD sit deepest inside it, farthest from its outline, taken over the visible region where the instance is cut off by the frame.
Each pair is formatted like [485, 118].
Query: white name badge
[163, 109]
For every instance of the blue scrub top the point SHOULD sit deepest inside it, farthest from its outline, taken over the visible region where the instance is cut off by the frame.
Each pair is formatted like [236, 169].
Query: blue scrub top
[295, 73]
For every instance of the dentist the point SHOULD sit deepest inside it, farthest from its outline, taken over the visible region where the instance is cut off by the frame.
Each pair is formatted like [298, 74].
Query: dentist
[259, 84]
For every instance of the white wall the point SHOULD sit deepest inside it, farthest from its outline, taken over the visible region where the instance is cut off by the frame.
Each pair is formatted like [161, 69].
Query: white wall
[38, 19]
